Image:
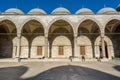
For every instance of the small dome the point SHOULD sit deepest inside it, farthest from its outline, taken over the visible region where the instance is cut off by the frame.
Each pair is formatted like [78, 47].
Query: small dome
[84, 11]
[13, 11]
[107, 10]
[36, 11]
[118, 8]
[61, 10]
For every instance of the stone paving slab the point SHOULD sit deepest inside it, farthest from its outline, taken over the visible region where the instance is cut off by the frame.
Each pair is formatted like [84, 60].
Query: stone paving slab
[60, 70]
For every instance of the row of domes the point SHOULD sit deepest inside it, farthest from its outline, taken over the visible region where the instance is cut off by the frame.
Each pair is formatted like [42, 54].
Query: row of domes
[62, 10]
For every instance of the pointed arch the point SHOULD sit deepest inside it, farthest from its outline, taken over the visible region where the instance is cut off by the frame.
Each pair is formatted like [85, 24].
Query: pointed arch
[109, 44]
[89, 18]
[29, 19]
[84, 41]
[64, 43]
[60, 18]
[7, 33]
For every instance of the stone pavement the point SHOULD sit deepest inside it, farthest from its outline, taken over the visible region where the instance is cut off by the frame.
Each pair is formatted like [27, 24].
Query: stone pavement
[60, 70]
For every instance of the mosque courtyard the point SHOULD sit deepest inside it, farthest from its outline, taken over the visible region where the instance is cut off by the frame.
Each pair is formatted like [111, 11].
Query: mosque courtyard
[60, 70]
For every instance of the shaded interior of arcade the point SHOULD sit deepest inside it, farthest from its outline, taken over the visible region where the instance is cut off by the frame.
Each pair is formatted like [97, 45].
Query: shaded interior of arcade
[61, 40]
[88, 31]
[32, 40]
[7, 33]
[112, 30]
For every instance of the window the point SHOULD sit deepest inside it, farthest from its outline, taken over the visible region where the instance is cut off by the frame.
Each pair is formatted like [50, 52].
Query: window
[39, 50]
[61, 50]
[82, 50]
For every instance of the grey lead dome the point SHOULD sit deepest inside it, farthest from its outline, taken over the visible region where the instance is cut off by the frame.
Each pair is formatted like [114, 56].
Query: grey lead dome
[37, 11]
[13, 11]
[61, 10]
[84, 11]
[107, 10]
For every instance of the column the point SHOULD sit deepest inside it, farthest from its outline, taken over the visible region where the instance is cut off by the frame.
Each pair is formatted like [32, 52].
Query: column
[75, 44]
[46, 45]
[103, 45]
[18, 46]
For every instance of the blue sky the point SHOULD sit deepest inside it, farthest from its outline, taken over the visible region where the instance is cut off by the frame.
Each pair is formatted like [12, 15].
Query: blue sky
[50, 5]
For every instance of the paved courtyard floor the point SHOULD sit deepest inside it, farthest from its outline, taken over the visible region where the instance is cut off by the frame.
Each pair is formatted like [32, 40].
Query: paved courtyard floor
[60, 70]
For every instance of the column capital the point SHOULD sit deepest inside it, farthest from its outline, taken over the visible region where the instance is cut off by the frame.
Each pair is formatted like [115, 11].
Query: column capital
[46, 35]
[19, 35]
[102, 35]
[75, 34]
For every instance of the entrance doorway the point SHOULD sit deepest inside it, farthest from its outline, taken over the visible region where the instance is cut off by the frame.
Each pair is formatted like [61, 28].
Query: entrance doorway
[106, 50]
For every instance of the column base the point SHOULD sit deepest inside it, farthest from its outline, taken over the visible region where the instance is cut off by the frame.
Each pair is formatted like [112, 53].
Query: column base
[104, 59]
[18, 59]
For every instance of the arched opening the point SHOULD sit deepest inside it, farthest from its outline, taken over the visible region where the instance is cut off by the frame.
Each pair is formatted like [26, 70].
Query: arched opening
[109, 52]
[31, 30]
[57, 29]
[61, 47]
[38, 47]
[90, 30]
[84, 47]
[112, 30]
[7, 33]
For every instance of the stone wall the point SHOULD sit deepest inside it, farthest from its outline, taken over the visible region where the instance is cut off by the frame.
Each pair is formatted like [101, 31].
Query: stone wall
[47, 21]
[38, 41]
[61, 41]
[84, 41]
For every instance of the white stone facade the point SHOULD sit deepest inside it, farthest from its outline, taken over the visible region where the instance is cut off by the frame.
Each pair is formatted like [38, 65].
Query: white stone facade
[22, 49]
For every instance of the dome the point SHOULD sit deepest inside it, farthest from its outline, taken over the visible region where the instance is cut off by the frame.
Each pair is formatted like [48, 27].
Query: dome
[61, 10]
[13, 11]
[118, 8]
[107, 10]
[36, 11]
[84, 11]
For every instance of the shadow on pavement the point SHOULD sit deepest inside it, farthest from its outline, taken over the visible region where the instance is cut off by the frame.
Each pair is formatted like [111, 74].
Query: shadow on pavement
[12, 73]
[73, 73]
[117, 67]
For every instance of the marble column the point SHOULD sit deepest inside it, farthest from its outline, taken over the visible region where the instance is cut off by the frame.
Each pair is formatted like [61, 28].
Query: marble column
[103, 43]
[18, 46]
[75, 45]
[46, 45]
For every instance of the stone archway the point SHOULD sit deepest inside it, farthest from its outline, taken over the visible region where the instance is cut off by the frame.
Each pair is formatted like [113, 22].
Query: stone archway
[57, 29]
[7, 33]
[108, 47]
[38, 47]
[61, 47]
[112, 30]
[31, 30]
[84, 41]
[89, 30]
